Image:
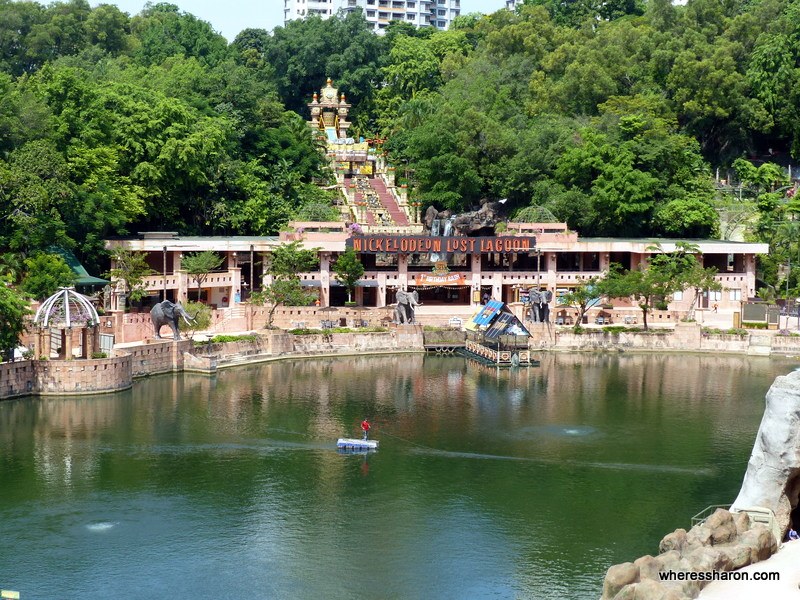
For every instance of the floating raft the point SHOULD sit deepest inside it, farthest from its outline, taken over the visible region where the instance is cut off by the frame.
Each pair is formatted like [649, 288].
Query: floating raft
[350, 443]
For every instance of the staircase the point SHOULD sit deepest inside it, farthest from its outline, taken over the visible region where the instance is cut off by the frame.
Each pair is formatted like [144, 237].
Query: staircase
[388, 201]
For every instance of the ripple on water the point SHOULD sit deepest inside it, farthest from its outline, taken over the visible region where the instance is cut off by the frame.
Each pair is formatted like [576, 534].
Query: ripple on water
[556, 431]
[101, 527]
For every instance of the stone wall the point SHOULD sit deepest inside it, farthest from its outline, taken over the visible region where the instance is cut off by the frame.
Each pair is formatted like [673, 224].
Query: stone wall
[64, 377]
[60, 377]
[17, 378]
[157, 356]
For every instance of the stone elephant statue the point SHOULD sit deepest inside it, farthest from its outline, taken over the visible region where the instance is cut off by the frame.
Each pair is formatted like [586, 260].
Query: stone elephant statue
[534, 302]
[168, 313]
[404, 311]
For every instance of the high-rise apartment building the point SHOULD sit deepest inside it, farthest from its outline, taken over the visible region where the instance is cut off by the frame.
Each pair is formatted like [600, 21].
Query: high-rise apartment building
[420, 13]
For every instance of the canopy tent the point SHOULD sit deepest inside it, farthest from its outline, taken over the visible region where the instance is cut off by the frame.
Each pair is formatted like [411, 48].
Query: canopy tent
[495, 319]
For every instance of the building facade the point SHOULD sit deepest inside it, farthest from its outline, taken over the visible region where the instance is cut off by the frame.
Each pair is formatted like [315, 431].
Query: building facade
[379, 13]
[452, 275]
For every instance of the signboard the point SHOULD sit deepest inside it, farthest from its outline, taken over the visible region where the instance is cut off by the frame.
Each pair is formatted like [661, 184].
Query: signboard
[409, 244]
[449, 279]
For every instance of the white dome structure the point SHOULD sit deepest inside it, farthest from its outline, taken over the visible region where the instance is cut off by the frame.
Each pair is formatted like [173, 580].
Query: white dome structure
[66, 309]
[76, 318]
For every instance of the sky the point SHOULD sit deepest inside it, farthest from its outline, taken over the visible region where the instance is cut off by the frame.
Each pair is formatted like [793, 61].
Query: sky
[229, 17]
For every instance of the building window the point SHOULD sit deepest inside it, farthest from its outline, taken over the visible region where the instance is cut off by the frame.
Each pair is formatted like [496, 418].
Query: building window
[677, 296]
[370, 13]
[735, 295]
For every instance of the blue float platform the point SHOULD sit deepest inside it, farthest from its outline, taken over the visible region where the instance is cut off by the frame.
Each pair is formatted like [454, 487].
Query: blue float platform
[357, 444]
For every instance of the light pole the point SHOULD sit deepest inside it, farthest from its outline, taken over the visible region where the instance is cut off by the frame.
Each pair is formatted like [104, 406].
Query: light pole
[252, 283]
[164, 271]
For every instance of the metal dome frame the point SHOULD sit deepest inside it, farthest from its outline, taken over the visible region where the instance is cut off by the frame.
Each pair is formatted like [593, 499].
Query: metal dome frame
[67, 311]
[83, 314]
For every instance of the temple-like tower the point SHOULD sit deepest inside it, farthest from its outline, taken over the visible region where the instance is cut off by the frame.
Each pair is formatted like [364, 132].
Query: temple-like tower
[329, 112]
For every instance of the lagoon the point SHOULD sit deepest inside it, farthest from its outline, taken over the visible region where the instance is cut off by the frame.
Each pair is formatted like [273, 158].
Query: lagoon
[522, 483]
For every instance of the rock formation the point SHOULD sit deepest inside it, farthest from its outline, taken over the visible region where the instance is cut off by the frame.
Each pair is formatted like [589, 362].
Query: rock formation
[723, 542]
[772, 479]
[474, 223]
[728, 540]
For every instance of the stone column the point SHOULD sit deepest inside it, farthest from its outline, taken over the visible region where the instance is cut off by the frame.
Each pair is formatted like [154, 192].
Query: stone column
[497, 285]
[236, 285]
[183, 286]
[66, 344]
[475, 279]
[85, 349]
[549, 264]
[402, 271]
[325, 279]
[381, 301]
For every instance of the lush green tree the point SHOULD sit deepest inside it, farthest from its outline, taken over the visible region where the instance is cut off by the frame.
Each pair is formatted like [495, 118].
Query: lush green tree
[163, 31]
[199, 316]
[348, 270]
[654, 283]
[286, 291]
[45, 273]
[581, 298]
[199, 265]
[289, 259]
[130, 268]
[14, 307]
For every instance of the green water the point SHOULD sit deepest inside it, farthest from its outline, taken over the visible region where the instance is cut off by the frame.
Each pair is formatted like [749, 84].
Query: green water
[524, 484]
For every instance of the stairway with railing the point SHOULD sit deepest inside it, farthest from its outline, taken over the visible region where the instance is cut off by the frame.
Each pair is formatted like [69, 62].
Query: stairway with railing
[388, 201]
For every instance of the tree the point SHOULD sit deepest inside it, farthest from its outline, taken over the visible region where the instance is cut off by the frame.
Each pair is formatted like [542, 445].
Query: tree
[199, 265]
[286, 292]
[665, 274]
[45, 274]
[131, 268]
[348, 270]
[582, 298]
[13, 310]
[287, 261]
[199, 315]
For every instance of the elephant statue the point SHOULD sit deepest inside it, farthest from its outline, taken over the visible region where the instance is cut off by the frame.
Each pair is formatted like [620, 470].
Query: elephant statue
[544, 305]
[404, 311]
[167, 313]
[535, 302]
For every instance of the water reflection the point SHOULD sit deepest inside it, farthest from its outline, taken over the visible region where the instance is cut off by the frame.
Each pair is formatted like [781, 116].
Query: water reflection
[510, 483]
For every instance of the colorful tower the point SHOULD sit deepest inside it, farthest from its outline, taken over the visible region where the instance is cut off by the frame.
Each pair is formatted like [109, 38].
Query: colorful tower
[329, 112]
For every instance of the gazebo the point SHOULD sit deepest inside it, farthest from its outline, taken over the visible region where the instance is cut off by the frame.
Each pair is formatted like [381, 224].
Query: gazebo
[67, 311]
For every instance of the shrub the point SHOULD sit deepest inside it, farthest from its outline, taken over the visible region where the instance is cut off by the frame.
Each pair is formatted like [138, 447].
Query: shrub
[99, 355]
[615, 328]
[754, 325]
[221, 339]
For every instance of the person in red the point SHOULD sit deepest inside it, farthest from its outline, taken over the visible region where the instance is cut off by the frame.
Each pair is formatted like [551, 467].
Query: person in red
[365, 428]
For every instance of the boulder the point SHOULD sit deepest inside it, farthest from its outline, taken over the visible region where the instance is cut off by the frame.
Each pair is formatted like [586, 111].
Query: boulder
[673, 541]
[627, 593]
[761, 542]
[617, 577]
[649, 567]
[742, 521]
[740, 555]
[723, 528]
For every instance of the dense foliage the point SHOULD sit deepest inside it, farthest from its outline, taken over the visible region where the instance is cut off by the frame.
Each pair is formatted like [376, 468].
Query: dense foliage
[611, 116]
